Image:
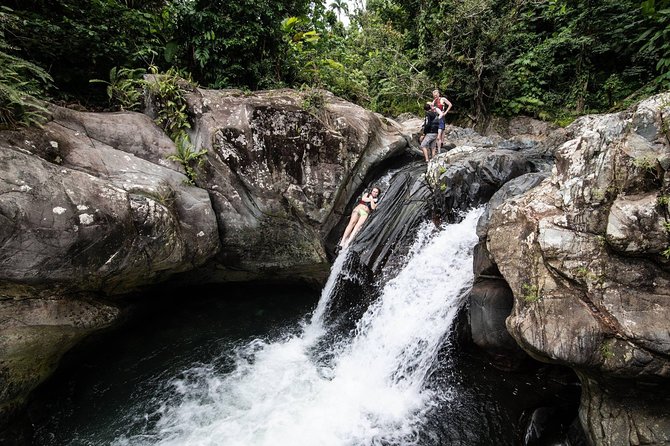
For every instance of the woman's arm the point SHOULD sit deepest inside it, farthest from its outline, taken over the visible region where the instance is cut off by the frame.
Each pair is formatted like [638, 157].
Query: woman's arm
[448, 104]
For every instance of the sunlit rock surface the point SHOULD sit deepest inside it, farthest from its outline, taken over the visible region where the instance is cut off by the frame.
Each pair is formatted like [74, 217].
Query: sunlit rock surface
[581, 253]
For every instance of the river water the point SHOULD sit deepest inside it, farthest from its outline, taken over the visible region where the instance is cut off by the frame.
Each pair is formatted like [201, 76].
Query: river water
[248, 366]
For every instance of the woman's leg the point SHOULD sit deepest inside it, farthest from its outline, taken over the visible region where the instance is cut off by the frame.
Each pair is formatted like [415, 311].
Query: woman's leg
[438, 147]
[350, 227]
[359, 223]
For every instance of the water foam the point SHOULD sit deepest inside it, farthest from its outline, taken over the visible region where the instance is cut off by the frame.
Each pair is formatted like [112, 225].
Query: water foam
[372, 392]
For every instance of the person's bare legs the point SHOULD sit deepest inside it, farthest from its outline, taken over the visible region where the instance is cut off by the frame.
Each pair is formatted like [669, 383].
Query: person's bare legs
[359, 223]
[425, 153]
[350, 227]
[438, 147]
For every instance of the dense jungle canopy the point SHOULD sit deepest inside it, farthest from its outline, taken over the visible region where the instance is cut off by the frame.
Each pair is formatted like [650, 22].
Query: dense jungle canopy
[553, 59]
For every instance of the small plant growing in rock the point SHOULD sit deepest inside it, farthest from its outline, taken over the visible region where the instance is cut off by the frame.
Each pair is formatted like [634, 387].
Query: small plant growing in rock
[165, 195]
[645, 162]
[650, 166]
[587, 274]
[188, 157]
[314, 102]
[530, 293]
[598, 194]
[169, 100]
[582, 272]
[606, 350]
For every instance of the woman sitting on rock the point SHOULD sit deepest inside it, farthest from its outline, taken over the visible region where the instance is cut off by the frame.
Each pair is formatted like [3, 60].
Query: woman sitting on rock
[365, 206]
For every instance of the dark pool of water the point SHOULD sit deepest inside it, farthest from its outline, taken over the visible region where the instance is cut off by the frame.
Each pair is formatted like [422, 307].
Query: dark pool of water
[89, 398]
[87, 401]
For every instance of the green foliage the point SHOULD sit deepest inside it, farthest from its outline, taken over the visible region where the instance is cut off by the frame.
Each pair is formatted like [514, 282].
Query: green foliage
[313, 101]
[83, 39]
[188, 157]
[656, 39]
[124, 87]
[168, 99]
[553, 59]
[167, 95]
[606, 349]
[321, 59]
[397, 84]
[225, 43]
[21, 83]
[531, 293]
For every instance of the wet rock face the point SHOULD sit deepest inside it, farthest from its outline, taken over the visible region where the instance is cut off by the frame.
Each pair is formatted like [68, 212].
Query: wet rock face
[581, 254]
[468, 176]
[90, 205]
[491, 299]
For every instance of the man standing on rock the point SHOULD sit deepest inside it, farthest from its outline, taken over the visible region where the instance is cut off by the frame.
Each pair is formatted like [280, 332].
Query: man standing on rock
[429, 131]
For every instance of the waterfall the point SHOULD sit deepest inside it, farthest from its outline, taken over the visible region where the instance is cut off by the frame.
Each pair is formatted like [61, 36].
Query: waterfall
[316, 327]
[370, 392]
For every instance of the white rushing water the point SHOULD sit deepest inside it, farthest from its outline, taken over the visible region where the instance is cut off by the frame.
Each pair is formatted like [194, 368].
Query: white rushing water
[370, 392]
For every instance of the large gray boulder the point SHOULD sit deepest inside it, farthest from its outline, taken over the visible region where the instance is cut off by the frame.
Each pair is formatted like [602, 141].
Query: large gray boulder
[281, 166]
[81, 211]
[582, 254]
[491, 300]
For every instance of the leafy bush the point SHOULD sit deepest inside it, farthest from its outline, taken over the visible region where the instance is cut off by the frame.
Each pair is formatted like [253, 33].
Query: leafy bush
[83, 39]
[124, 87]
[21, 83]
[167, 94]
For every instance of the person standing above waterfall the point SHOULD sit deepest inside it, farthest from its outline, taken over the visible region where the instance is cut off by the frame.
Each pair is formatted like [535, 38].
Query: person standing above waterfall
[442, 106]
[429, 131]
[365, 206]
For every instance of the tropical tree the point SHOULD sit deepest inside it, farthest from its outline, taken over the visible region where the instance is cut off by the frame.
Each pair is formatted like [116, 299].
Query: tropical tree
[340, 6]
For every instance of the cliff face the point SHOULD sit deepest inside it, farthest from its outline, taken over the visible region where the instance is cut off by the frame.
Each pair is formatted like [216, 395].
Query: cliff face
[583, 254]
[90, 208]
